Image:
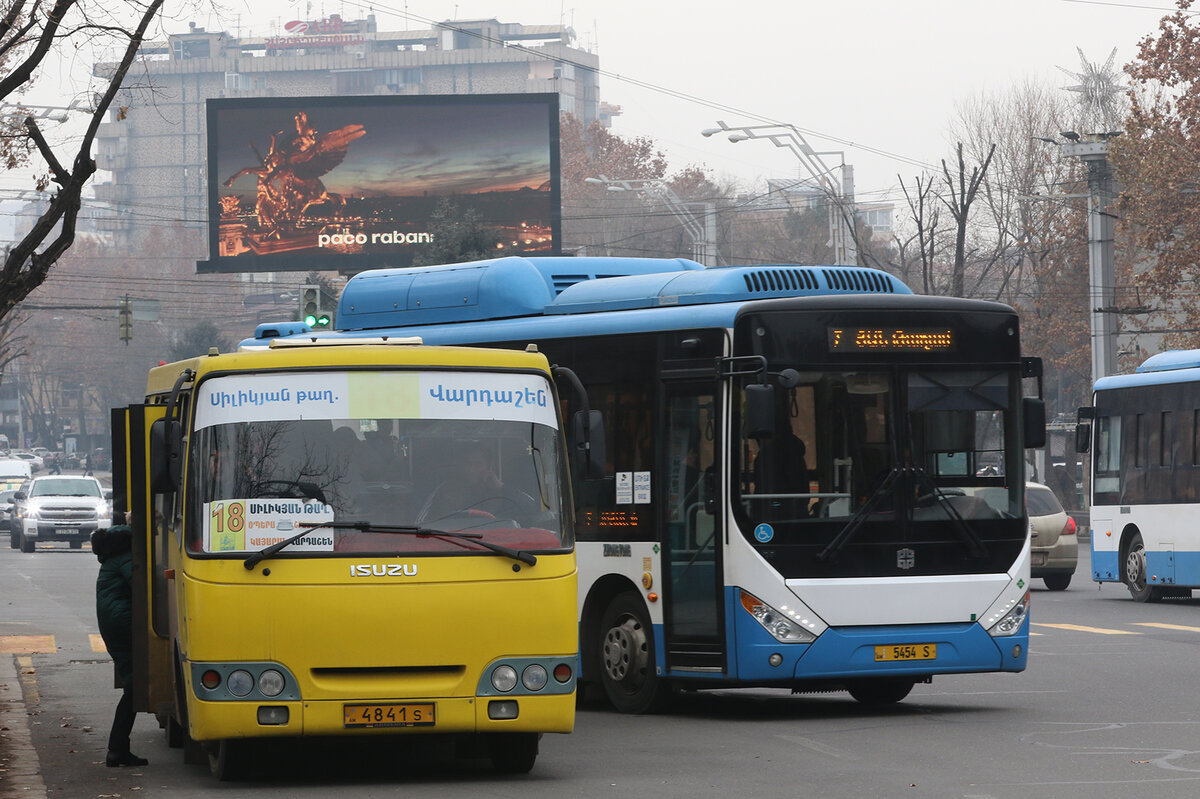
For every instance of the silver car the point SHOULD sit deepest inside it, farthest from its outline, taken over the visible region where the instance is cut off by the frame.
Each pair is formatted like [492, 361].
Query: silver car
[1054, 549]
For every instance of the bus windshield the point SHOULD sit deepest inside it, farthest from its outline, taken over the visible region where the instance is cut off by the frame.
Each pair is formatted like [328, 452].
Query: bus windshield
[862, 459]
[258, 481]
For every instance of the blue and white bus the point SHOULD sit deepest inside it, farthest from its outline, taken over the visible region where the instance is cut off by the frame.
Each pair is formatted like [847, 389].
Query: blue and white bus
[1144, 433]
[792, 460]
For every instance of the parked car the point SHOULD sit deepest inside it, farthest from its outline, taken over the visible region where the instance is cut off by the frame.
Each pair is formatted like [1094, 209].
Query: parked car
[59, 508]
[35, 463]
[13, 473]
[1054, 548]
[6, 506]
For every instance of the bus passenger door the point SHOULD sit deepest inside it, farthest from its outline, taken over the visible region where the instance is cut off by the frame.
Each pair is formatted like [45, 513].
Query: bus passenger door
[152, 661]
[692, 565]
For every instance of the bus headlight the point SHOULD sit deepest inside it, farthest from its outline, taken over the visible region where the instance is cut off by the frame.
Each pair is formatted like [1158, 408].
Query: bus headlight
[239, 683]
[504, 678]
[534, 678]
[271, 683]
[784, 629]
[1010, 622]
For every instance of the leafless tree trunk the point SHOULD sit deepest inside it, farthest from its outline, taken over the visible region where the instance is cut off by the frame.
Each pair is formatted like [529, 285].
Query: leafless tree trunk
[961, 195]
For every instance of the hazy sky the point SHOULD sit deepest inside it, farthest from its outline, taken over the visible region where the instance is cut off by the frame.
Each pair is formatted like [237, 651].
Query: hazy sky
[877, 80]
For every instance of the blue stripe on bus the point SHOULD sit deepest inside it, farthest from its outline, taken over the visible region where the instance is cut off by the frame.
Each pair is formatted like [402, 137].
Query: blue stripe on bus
[961, 648]
[1106, 567]
[1163, 568]
[850, 651]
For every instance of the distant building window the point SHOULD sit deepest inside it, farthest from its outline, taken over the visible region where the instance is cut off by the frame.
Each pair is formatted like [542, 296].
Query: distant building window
[567, 103]
[353, 82]
[236, 80]
[396, 78]
[190, 48]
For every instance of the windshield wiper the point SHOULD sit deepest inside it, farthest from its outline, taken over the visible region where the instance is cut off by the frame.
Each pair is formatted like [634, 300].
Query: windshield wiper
[841, 539]
[368, 527]
[974, 543]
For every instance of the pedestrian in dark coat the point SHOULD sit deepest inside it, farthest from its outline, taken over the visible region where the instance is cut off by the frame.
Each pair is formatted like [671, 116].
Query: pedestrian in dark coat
[113, 546]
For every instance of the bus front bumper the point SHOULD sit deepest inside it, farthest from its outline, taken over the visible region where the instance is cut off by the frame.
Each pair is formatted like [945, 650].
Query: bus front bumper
[212, 721]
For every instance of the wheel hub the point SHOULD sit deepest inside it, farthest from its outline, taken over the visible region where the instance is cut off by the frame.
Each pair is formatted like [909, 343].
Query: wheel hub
[1135, 567]
[625, 650]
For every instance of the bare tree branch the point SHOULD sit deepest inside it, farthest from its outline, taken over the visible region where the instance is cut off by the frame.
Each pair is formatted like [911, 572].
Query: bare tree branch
[24, 268]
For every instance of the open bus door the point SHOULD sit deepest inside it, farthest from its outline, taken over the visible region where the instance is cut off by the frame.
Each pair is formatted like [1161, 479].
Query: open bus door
[152, 688]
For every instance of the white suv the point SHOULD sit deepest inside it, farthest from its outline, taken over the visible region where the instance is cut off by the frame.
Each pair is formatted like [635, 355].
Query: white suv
[59, 508]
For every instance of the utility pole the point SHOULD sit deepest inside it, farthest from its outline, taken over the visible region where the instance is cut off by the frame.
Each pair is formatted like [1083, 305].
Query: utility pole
[703, 231]
[1092, 149]
[835, 183]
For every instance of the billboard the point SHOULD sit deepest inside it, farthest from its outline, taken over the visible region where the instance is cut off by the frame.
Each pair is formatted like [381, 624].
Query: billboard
[352, 183]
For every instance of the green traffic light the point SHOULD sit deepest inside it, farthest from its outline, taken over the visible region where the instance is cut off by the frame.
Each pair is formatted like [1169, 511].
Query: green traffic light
[310, 320]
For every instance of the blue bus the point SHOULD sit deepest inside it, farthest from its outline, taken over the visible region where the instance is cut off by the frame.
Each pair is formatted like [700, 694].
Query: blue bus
[1144, 433]
[813, 478]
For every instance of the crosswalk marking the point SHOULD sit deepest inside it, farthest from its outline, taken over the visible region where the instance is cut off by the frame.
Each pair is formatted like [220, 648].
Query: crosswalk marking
[28, 644]
[1081, 628]
[1163, 626]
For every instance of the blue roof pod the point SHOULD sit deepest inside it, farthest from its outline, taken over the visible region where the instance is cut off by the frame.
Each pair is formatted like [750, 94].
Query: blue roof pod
[494, 289]
[722, 284]
[1171, 359]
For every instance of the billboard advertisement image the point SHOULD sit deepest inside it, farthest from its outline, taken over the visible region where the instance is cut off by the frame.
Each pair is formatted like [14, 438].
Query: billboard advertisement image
[352, 183]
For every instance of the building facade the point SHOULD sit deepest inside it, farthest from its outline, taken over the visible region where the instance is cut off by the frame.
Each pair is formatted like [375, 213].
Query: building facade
[154, 143]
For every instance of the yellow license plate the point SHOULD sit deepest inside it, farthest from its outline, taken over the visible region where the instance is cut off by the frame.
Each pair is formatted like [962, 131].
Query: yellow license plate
[406, 714]
[906, 652]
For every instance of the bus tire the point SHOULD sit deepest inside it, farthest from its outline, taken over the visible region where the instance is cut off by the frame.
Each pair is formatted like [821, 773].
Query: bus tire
[513, 752]
[880, 691]
[229, 759]
[1057, 582]
[627, 661]
[1134, 575]
[175, 733]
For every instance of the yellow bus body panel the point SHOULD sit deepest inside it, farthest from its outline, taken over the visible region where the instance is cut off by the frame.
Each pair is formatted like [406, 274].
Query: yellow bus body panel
[423, 635]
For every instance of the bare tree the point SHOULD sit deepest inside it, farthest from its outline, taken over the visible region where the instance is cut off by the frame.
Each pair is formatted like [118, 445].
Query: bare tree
[29, 36]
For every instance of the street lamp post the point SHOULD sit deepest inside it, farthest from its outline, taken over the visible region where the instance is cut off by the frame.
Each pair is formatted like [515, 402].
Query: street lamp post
[836, 182]
[702, 231]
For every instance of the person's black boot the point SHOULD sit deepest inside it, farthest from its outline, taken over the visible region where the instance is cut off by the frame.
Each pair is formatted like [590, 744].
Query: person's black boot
[114, 759]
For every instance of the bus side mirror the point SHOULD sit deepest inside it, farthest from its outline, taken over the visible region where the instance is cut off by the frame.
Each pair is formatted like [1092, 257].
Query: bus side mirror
[1083, 428]
[587, 445]
[1033, 414]
[1083, 436]
[760, 410]
[166, 456]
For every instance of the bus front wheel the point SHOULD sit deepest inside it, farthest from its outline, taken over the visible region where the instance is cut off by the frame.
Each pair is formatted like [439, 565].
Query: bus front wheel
[881, 691]
[514, 752]
[627, 662]
[1135, 572]
[228, 759]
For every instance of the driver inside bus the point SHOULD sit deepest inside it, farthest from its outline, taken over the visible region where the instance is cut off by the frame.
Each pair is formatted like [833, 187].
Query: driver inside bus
[472, 482]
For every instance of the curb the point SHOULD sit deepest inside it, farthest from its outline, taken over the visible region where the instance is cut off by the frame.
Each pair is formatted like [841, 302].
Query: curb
[20, 769]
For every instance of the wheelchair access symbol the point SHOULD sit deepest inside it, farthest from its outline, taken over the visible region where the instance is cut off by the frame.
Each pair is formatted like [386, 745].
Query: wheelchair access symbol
[764, 533]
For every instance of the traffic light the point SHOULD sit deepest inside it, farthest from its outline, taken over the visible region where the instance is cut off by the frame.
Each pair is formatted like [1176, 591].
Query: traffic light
[313, 309]
[125, 320]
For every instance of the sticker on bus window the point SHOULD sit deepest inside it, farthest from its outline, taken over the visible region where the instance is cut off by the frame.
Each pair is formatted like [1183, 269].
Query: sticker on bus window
[248, 525]
[291, 396]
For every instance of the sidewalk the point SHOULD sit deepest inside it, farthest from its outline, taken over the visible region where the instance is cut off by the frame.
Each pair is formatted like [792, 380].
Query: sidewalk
[20, 770]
